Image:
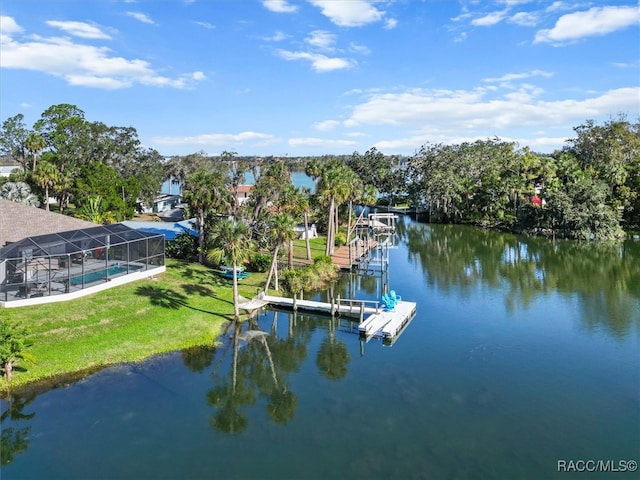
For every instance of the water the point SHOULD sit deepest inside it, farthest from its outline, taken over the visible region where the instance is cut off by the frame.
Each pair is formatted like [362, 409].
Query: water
[101, 275]
[299, 179]
[523, 353]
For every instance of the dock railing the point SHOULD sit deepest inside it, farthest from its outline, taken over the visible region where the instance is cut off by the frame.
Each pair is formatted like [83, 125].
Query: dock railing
[353, 306]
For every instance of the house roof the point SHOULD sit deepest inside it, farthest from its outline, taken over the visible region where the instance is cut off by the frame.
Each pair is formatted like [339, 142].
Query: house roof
[170, 230]
[18, 221]
[245, 188]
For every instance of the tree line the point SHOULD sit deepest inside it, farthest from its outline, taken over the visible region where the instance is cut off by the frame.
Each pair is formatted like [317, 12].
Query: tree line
[587, 190]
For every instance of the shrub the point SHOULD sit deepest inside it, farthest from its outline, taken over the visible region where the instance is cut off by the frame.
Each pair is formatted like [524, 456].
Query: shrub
[184, 247]
[259, 262]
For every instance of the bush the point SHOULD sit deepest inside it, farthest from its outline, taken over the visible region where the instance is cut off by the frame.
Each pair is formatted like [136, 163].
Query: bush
[259, 262]
[310, 278]
[184, 247]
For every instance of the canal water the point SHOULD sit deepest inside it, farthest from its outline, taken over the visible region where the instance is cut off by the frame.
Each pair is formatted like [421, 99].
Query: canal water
[524, 354]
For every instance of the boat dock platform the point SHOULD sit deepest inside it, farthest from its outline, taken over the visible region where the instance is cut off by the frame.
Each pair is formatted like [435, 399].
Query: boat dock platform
[374, 320]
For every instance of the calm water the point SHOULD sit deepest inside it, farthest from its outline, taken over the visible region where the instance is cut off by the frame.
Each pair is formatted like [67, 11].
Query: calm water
[299, 179]
[523, 352]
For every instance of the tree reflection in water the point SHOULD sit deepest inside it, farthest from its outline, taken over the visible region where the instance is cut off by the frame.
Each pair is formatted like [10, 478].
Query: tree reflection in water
[333, 356]
[603, 277]
[259, 368]
[14, 441]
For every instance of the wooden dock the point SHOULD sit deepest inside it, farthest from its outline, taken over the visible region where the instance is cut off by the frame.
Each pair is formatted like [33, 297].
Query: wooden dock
[346, 256]
[374, 320]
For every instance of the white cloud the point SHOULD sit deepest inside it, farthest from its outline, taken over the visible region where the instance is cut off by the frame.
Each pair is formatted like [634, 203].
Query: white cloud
[486, 112]
[321, 39]
[352, 13]
[217, 139]
[511, 3]
[525, 19]
[276, 37]
[489, 19]
[362, 49]
[207, 25]
[83, 65]
[79, 29]
[319, 62]
[595, 21]
[8, 26]
[509, 77]
[279, 6]
[327, 125]
[141, 17]
[390, 23]
[322, 143]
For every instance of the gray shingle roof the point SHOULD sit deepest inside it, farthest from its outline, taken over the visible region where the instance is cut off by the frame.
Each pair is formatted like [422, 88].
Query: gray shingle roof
[19, 221]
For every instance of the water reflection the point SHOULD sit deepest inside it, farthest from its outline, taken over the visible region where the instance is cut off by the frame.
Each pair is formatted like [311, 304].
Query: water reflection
[333, 356]
[15, 438]
[459, 396]
[604, 278]
[260, 365]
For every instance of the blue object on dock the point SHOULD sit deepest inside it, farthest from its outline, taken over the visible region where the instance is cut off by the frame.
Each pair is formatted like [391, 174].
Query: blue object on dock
[389, 300]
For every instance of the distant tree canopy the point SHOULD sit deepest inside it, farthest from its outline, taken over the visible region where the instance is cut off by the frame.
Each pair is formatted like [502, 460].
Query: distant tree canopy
[81, 153]
[589, 189]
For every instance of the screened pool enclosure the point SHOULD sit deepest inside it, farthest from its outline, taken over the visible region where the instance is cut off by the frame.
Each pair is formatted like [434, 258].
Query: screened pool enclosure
[65, 265]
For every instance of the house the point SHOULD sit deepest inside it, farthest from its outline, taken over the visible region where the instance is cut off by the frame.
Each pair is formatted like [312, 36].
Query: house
[162, 203]
[47, 257]
[243, 194]
[18, 221]
[6, 171]
[299, 229]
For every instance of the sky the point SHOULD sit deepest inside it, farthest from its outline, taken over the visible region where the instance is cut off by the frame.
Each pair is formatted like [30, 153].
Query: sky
[322, 77]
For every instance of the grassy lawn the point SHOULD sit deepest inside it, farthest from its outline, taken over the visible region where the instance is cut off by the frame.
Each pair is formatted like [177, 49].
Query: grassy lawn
[318, 246]
[184, 307]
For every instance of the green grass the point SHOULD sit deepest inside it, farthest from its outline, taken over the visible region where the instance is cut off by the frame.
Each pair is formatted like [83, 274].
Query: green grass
[184, 307]
[318, 246]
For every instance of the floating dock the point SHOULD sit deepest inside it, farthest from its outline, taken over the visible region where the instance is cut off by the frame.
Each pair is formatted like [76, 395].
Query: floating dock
[374, 320]
[388, 324]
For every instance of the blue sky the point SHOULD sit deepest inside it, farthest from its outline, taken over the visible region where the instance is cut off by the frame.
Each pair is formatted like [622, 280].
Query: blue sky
[324, 77]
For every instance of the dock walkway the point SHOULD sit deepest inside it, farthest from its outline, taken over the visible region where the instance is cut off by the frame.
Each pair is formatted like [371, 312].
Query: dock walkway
[374, 320]
[346, 256]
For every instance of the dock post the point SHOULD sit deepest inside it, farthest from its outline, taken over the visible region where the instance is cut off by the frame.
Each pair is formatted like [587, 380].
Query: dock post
[333, 307]
[361, 312]
[295, 303]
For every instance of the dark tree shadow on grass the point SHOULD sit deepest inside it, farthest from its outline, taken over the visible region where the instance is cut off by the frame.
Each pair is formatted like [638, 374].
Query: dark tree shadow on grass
[208, 277]
[170, 299]
[202, 290]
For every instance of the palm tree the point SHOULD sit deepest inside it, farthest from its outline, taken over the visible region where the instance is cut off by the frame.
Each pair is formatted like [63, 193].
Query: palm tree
[232, 243]
[35, 143]
[14, 342]
[93, 211]
[63, 189]
[295, 202]
[355, 186]
[46, 176]
[366, 196]
[334, 188]
[19, 192]
[203, 191]
[281, 226]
